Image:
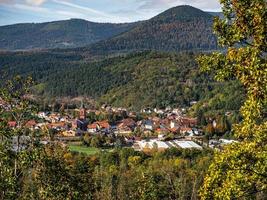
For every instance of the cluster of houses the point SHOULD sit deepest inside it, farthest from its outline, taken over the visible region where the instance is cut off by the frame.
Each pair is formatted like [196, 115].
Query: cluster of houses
[158, 124]
[69, 126]
[173, 121]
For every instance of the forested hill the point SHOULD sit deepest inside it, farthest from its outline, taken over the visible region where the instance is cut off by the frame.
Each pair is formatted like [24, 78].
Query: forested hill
[146, 79]
[59, 34]
[179, 28]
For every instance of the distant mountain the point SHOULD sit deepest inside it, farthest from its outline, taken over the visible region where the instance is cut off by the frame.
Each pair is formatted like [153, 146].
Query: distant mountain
[59, 34]
[179, 28]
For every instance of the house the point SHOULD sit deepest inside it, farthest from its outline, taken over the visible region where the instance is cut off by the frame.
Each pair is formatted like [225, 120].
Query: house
[177, 111]
[59, 126]
[124, 130]
[174, 124]
[168, 109]
[92, 128]
[126, 123]
[54, 118]
[99, 126]
[161, 130]
[185, 130]
[42, 115]
[68, 133]
[31, 124]
[147, 110]
[148, 125]
[159, 111]
[188, 122]
[132, 114]
[12, 124]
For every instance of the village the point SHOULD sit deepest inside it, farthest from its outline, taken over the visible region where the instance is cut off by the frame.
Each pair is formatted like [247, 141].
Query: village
[117, 127]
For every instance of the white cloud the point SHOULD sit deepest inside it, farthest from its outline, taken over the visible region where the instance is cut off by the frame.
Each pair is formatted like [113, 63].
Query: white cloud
[31, 8]
[35, 2]
[81, 8]
[87, 11]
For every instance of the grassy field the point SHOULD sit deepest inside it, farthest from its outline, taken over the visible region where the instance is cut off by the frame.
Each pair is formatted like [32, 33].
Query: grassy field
[84, 149]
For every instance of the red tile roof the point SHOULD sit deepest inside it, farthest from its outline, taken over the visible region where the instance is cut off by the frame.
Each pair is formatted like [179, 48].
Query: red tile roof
[30, 123]
[12, 124]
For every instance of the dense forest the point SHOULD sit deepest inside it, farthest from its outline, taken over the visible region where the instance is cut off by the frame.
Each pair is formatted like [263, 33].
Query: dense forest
[137, 80]
[59, 34]
[179, 28]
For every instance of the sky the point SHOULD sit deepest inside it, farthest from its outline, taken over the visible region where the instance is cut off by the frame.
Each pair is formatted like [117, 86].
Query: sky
[114, 11]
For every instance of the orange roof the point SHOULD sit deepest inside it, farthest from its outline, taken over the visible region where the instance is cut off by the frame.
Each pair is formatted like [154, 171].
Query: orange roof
[185, 129]
[174, 130]
[158, 130]
[126, 122]
[101, 124]
[104, 124]
[161, 130]
[58, 124]
[92, 126]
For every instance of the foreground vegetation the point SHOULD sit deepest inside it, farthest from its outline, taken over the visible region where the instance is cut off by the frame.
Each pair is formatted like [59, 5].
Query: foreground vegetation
[121, 174]
[239, 171]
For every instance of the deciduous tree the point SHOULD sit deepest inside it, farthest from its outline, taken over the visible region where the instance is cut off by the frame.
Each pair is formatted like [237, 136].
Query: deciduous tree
[239, 171]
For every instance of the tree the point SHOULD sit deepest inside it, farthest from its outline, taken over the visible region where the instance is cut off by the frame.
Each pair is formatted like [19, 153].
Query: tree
[209, 132]
[239, 171]
[96, 141]
[15, 157]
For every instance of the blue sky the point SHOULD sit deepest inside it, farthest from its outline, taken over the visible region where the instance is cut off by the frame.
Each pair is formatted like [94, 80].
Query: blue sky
[116, 11]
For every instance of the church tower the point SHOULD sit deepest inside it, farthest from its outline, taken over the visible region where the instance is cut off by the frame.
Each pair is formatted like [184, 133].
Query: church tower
[82, 114]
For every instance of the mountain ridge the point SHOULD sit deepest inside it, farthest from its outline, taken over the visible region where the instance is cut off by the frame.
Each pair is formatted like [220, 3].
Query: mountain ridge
[58, 34]
[174, 26]
[178, 28]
